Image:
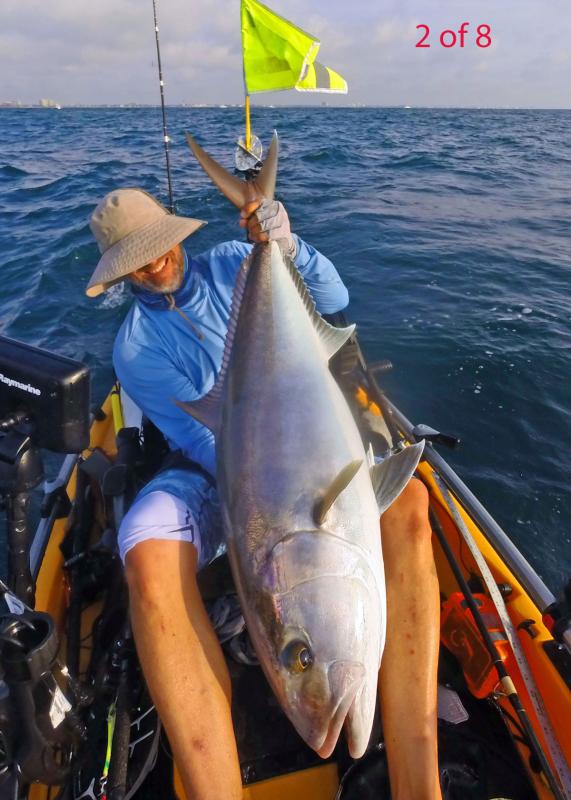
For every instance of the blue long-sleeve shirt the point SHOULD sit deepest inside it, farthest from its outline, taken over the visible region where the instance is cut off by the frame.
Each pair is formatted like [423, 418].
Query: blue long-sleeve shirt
[158, 357]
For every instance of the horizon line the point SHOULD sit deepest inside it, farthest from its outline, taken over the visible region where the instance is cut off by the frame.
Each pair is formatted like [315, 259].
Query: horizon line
[16, 105]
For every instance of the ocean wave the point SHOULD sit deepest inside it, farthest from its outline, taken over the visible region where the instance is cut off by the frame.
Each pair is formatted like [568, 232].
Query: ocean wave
[448, 226]
[10, 171]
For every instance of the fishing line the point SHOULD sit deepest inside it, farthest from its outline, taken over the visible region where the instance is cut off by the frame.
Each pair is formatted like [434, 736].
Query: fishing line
[505, 713]
[166, 137]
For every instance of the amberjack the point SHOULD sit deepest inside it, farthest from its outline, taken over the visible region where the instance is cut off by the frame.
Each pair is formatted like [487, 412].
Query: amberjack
[300, 501]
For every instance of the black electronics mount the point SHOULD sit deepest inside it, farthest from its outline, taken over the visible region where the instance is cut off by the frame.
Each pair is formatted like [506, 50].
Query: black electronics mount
[44, 403]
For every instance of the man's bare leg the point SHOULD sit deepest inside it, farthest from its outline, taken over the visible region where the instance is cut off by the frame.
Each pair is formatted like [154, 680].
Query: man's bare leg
[408, 676]
[184, 667]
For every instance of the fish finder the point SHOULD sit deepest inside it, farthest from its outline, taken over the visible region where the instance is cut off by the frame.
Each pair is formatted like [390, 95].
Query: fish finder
[44, 403]
[47, 390]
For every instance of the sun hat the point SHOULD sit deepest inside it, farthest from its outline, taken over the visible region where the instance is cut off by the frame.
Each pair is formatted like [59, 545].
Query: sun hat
[132, 229]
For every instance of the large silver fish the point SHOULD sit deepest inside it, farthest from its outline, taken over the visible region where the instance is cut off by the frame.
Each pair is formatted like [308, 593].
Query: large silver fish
[300, 502]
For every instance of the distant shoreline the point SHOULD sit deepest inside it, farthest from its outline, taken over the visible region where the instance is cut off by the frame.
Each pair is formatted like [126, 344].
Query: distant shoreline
[9, 106]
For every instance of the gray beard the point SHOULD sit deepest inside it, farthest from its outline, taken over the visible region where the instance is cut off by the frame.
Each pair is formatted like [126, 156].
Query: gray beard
[169, 288]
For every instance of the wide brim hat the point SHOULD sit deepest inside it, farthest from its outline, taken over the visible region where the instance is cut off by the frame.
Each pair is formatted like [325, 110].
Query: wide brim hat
[132, 229]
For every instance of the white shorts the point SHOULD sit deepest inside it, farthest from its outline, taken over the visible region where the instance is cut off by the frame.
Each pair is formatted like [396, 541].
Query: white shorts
[158, 515]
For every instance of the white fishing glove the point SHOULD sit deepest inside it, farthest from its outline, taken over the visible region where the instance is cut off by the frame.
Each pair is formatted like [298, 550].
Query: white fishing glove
[270, 222]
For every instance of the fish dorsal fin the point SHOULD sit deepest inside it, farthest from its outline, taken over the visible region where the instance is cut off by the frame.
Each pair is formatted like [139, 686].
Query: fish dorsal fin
[391, 476]
[207, 410]
[340, 482]
[331, 337]
[237, 191]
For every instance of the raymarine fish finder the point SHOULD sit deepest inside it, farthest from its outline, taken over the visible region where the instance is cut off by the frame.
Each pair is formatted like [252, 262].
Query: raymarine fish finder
[44, 403]
[49, 391]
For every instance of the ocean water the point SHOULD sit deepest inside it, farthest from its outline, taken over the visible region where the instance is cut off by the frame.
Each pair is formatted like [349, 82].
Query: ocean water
[450, 228]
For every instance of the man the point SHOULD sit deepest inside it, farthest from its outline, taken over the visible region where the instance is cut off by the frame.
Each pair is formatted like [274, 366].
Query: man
[170, 348]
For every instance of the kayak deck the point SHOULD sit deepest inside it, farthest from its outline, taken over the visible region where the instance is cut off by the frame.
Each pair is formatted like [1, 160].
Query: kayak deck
[321, 781]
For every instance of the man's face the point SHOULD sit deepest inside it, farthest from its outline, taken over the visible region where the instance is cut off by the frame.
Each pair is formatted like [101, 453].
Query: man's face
[163, 275]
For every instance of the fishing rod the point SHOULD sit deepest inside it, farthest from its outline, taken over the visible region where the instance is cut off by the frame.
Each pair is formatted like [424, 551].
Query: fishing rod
[505, 679]
[113, 779]
[31, 748]
[166, 137]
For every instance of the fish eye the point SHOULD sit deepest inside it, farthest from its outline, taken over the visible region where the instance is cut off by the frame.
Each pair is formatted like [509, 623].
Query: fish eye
[297, 656]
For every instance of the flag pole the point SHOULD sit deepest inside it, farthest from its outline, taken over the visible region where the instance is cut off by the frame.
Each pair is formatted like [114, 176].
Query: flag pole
[248, 127]
[248, 136]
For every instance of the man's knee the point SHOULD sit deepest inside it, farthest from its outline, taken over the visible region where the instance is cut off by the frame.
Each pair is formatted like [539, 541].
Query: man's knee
[142, 571]
[414, 496]
[153, 564]
[408, 515]
[159, 542]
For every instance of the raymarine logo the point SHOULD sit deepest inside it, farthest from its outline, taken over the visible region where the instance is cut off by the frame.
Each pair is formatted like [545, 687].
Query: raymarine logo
[24, 386]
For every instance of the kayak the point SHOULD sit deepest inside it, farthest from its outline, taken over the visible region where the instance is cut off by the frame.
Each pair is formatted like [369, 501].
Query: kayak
[487, 748]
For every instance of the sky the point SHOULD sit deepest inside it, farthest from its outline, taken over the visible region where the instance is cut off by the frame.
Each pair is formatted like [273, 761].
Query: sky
[103, 52]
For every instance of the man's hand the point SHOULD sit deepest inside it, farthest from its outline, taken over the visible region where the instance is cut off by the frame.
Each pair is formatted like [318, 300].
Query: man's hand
[267, 220]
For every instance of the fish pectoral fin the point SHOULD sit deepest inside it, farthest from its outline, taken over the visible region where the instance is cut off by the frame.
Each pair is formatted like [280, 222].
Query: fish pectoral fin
[206, 410]
[340, 482]
[237, 191]
[391, 476]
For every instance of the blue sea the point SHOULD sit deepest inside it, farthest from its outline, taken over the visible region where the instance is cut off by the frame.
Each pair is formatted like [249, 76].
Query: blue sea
[451, 229]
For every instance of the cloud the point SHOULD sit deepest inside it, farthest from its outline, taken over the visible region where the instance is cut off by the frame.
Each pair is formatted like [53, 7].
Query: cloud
[104, 51]
[561, 57]
[395, 31]
[332, 37]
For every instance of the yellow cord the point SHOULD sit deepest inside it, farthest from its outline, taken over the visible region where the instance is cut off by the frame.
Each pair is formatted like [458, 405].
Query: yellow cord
[248, 128]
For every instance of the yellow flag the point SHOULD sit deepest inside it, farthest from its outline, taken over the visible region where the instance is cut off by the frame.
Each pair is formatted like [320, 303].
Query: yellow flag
[319, 78]
[278, 55]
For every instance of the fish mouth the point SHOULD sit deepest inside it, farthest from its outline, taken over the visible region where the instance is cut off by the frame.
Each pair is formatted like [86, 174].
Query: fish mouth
[349, 678]
[327, 746]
